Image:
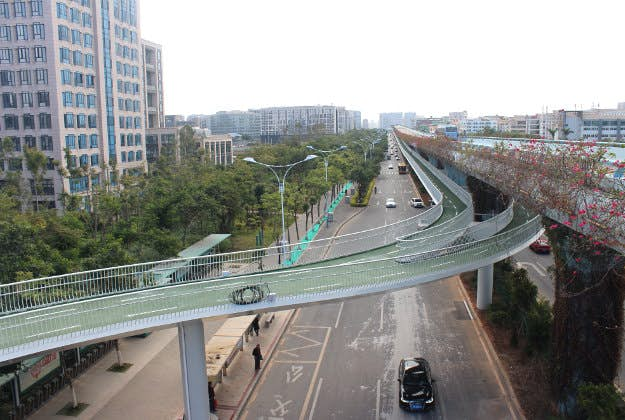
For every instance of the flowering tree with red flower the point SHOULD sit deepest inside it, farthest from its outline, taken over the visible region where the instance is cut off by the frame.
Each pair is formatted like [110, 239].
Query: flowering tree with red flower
[584, 208]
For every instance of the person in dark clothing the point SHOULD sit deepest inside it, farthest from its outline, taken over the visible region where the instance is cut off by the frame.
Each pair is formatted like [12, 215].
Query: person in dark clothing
[256, 326]
[211, 397]
[257, 356]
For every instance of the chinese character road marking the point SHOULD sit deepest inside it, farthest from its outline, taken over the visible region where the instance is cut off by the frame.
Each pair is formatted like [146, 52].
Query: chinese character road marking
[280, 410]
[294, 374]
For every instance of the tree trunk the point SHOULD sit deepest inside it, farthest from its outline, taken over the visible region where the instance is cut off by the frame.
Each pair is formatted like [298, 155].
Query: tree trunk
[588, 315]
[296, 226]
[119, 353]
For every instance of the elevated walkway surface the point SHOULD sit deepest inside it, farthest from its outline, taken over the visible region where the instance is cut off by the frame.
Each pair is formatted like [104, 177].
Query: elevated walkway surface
[387, 267]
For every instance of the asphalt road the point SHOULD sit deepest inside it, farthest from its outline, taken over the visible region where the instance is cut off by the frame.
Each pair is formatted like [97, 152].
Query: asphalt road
[340, 360]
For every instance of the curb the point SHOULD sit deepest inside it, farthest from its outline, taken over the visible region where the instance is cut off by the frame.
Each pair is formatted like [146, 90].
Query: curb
[252, 385]
[338, 230]
[483, 336]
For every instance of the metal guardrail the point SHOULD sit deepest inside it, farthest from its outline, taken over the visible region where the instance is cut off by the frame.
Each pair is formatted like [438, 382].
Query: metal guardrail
[52, 327]
[472, 233]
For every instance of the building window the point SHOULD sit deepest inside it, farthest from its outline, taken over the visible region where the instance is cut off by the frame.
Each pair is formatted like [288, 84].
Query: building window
[89, 80]
[43, 98]
[29, 121]
[95, 160]
[137, 122]
[6, 56]
[137, 140]
[9, 100]
[89, 61]
[41, 76]
[86, 20]
[5, 33]
[90, 101]
[39, 31]
[64, 55]
[121, 122]
[17, 145]
[80, 100]
[68, 120]
[70, 141]
[46, 143]
[20, 8]
[63, 33]
[93, 121]
[50, 166]
[77, 58]
[21, 32]
[15, 164]
[139, 155]
[4, 10]
[78, 79]
[23, 55]
[11, 122]
[82, 141]
[30, 141]
[131, 156]
[123, 156]
[27, 100]
[84, 160]
[75, 15]
[40, 54]
[129, 141]
[7, 78]
[68, 99]
[66, 77]
[81, 121]
[88, 41]
[24, 77]
[76, 37]
[36, 8]
[93, 141]
[122, 139]
[45, 121]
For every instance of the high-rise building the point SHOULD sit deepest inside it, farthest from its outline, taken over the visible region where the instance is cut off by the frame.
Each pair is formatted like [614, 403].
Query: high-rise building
[389, 119]
[71, 84]
[153, 84]
[245, 123]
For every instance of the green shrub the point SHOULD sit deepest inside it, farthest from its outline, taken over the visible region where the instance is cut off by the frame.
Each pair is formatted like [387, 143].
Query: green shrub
[355, 200]
[539, 323]
[600, 402]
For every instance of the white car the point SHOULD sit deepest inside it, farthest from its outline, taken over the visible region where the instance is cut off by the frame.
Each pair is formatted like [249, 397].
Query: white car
[390, 166]
[416, 202]
[390, 203]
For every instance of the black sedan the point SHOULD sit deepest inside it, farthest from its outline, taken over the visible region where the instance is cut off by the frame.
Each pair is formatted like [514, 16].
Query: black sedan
[416, 392]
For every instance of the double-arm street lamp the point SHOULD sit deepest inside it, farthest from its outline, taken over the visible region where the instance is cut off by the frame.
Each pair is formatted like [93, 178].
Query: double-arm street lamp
[326, 155]
[275, 169]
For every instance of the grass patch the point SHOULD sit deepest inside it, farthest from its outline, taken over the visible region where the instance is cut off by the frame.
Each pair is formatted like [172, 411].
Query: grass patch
[119, 368]
[68, 410]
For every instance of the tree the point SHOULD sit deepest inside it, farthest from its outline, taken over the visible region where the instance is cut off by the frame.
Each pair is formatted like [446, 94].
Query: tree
[36, 162]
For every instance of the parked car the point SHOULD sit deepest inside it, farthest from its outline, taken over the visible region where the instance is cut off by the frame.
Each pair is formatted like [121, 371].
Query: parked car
[416, 392]
[416, 202]
[390, 166]
[390, 203]
[541, 246]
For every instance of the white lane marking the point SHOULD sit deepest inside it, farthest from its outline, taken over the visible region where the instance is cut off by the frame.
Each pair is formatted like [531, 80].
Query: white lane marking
[146, 296]
[541, 266]
[322, 287]
[53, 331]
[445, 263]
[468, 311]
[382, 316]
[338, 317]
[314, 404]
[536, 268]
[377, 402]
[50, 313]
[151, 312]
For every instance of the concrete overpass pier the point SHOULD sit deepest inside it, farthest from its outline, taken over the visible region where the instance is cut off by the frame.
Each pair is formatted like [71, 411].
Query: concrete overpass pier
[193, 367]
[485, 286]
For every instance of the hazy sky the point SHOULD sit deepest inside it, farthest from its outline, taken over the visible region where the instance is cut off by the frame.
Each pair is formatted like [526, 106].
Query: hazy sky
[430, 57]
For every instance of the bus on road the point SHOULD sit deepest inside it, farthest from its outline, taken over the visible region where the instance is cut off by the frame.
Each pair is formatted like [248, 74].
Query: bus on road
[403, 169]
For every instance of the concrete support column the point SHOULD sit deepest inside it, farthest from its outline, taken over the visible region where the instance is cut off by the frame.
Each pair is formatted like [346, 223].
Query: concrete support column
[485, 286]
[193, 366]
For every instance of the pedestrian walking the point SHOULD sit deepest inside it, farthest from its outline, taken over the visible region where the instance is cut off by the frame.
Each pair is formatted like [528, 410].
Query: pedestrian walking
[211, 397]
[375, 190]
[257, 356]
[256, 325]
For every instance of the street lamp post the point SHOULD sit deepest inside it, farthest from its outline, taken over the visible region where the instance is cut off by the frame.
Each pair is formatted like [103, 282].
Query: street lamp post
[326, 156]
[273, 168]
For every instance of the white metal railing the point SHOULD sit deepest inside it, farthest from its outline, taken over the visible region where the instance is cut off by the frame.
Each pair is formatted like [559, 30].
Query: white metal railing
[471, 233]
[49, 328]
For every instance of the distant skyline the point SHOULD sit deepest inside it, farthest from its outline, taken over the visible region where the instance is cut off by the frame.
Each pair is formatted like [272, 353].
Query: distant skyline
[431, 58]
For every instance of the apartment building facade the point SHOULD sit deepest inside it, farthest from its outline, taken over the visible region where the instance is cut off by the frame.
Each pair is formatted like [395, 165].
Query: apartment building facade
[71, 84]
[152, 55]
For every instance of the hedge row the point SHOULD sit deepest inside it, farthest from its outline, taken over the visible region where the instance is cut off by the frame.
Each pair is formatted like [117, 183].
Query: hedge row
[355, 202]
